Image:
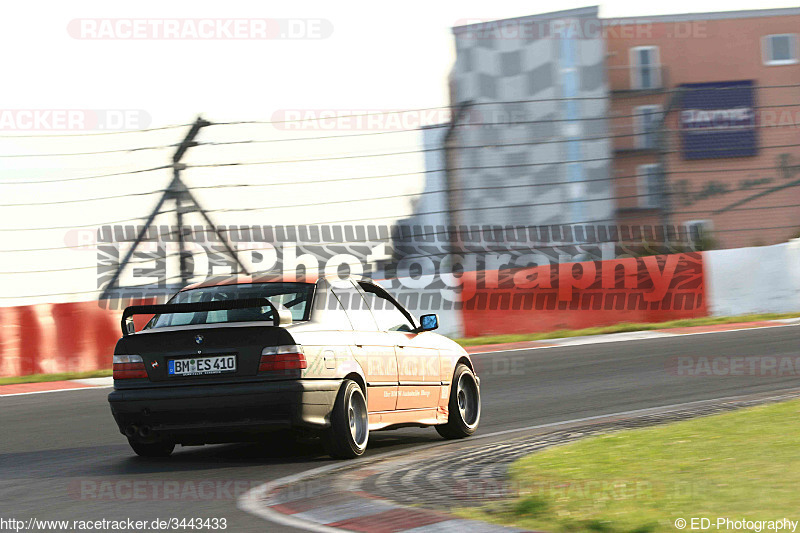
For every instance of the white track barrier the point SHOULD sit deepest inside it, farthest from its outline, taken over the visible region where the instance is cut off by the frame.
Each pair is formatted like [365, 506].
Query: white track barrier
[763, 279]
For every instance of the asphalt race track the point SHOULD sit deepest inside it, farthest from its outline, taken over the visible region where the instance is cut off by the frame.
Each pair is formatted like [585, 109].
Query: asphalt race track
[56, 449]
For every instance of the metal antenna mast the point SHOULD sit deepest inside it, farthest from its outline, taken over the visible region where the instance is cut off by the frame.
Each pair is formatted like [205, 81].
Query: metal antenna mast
[185, 203]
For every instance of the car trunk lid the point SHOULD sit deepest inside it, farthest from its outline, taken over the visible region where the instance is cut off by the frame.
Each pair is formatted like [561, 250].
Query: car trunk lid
[203, 353]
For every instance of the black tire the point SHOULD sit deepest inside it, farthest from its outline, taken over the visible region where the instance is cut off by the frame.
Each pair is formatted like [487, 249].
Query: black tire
[464, 408]
[349, 432]
[152, 449]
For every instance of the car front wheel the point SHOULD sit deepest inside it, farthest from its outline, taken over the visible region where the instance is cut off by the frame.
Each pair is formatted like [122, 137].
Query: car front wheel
[349, 432]
[464, 408]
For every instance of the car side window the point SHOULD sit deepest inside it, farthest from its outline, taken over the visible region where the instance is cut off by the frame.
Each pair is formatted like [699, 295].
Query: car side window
[356, 308]
[386, 313]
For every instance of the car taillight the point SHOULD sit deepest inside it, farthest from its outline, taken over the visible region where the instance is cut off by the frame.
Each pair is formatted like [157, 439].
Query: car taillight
[128, 367]
[288, 357]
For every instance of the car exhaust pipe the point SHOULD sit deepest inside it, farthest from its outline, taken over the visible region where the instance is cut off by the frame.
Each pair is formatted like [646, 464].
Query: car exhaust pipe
[145, 432]
[131, 431]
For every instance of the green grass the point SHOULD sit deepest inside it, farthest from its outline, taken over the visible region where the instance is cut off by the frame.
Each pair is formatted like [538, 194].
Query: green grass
[620, 328]
[38, 378]
[740, 465]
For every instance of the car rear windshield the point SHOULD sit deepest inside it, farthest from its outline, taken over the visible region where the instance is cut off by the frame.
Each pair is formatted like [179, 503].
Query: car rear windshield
[296, 297]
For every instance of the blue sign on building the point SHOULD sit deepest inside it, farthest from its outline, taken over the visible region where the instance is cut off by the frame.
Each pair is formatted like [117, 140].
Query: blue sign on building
[718, 120]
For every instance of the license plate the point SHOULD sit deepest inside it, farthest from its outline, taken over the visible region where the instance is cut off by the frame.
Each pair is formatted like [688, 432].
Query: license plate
[198, 366]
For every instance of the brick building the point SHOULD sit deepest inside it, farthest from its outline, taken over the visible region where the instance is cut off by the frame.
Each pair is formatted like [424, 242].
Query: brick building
[728, 86]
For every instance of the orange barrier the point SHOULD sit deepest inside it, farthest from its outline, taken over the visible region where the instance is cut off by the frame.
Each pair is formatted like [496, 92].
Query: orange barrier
[64, 337]
[582, 295]
[80, 336]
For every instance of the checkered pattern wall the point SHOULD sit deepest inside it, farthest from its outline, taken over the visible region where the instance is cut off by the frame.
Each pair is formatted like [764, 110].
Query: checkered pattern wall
[530, 172]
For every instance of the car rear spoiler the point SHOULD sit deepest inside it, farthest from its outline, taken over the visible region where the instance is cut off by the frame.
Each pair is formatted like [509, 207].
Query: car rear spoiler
[221, 305]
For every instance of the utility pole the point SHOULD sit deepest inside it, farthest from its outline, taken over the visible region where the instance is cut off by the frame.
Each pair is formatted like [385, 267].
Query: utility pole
[185, 203]
[459, 111]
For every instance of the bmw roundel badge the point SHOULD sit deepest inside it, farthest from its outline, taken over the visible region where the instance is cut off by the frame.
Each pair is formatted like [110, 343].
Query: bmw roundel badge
[198, 339]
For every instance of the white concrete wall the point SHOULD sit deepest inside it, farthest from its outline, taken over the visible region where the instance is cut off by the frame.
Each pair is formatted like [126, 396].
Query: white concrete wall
[764, 279]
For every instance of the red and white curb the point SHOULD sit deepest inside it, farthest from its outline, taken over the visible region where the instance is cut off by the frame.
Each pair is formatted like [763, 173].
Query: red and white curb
[22, 389]
[319, 500]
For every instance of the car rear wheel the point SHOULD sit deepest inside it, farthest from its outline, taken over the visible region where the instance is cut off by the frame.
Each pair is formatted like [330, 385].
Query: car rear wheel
[349, 432]
[152, 449]
[464, 407]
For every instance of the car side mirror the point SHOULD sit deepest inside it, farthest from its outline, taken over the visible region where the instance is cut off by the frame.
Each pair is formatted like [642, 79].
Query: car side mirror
[428, 322]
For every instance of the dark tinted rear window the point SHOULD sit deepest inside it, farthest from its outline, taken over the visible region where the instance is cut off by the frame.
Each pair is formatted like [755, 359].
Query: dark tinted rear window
[296, 297]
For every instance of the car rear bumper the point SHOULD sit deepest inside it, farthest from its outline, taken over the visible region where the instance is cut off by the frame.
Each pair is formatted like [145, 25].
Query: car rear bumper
[221, 413]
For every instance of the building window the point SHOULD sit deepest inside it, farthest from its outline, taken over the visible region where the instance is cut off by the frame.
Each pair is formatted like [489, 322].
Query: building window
[646, 122]
[780, 49]
[645, 68]
[649, 185]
